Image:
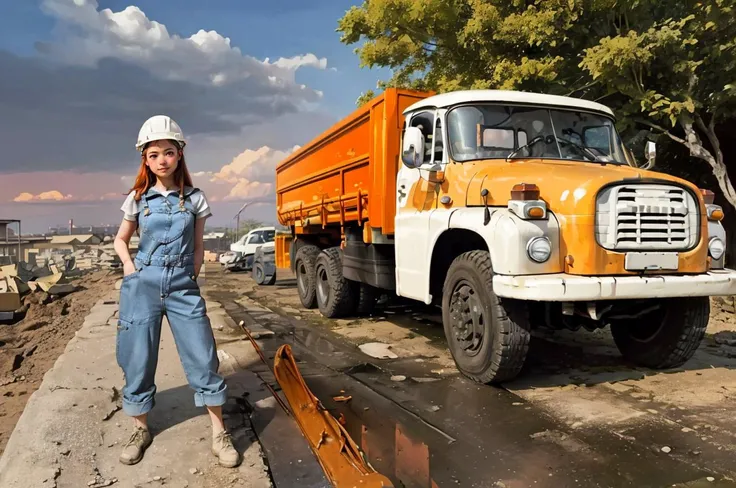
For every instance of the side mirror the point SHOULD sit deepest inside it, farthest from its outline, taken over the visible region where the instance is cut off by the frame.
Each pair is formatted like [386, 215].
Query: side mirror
[412, 151]
[650, 152]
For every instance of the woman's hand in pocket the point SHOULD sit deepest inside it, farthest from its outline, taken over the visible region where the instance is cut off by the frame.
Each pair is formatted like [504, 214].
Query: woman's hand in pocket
[128, 268]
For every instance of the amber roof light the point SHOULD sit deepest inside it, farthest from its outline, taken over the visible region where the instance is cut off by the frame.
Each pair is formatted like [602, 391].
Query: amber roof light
[525, 191]
[708, 196]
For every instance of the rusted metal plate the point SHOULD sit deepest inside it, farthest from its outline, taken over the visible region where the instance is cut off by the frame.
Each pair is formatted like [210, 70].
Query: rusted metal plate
[336, 451]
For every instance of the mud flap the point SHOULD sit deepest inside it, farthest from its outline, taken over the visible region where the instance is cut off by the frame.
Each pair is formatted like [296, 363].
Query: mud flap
[340, 457]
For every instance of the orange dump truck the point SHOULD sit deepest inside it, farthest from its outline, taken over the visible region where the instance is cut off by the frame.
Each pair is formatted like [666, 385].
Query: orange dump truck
[508, 210]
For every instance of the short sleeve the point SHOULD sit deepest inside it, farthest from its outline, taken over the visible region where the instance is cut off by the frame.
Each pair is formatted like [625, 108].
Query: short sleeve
[130, 207]
[201, 205]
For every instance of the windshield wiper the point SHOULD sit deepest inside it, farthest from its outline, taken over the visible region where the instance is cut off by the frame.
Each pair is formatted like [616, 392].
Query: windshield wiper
[528, 144]
[582, 148]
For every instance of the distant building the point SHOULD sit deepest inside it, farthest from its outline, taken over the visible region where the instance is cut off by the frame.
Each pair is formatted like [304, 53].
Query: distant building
[13, 247]
[69, 244]
[215, 241]
[100, 230]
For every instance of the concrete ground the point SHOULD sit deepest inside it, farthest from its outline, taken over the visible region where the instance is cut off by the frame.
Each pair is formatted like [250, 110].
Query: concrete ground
[72, 429]
[578, 415]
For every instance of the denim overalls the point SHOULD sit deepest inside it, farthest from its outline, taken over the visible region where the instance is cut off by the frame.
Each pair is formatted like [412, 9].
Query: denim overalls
[164, 284]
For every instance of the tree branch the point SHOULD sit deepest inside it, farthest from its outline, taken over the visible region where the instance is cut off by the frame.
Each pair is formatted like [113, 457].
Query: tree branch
[584, 87]
[416, 35]
[710, 133]
[661, 129]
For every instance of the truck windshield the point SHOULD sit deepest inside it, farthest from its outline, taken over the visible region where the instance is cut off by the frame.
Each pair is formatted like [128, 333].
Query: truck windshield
[490, 131]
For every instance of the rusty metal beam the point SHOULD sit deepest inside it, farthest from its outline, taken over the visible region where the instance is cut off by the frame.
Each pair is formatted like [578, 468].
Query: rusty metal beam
[336, 451]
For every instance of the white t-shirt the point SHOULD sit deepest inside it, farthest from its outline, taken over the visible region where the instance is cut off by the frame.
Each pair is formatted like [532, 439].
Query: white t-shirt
[131, 208]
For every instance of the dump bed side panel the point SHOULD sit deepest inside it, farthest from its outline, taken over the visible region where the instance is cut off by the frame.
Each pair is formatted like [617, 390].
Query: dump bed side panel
[347, 174]
[387, 164]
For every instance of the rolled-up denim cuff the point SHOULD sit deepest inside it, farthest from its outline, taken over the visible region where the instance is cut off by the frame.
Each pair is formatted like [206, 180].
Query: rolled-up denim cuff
[133, 409]
[211, 399]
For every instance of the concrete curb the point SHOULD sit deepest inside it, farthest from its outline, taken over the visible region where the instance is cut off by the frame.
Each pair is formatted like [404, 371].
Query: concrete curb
[71, 431]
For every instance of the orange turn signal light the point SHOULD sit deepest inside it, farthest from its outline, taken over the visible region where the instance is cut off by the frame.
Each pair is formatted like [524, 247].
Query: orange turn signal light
[536, 212]
[716, 215]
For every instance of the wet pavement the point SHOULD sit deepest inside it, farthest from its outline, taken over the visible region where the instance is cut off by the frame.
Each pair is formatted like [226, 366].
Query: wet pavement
[424, 429]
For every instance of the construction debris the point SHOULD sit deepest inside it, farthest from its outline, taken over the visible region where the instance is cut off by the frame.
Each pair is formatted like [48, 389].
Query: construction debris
[51, 272]
[9, 296]
[16, 280]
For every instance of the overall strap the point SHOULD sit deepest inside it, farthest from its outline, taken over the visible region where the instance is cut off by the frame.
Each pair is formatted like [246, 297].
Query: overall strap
[188, 192]
[146, 210]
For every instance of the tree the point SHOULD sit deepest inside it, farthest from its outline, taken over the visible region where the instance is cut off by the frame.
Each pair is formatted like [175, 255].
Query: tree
[669, 65]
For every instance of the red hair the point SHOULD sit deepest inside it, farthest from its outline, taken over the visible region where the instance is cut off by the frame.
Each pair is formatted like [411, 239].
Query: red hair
[146, 179]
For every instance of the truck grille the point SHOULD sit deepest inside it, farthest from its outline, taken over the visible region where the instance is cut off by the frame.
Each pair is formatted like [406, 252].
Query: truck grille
[646, 217]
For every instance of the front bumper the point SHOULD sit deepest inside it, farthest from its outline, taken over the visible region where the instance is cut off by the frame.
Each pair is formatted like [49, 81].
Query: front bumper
[563, 287]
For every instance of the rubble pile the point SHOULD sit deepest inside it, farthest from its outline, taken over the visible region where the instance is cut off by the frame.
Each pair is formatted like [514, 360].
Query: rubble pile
[20, 279]
[49, 271]
[102, 257]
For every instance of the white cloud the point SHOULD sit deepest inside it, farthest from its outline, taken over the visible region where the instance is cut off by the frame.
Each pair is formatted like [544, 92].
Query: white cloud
[251, 174]
[297, 62]
[205, 57]
[46, 196]
[258, 165]
[250, 190]
[102, 73]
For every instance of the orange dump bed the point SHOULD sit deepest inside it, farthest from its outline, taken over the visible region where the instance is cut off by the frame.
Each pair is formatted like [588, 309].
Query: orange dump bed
[282, 251]
[348, 173]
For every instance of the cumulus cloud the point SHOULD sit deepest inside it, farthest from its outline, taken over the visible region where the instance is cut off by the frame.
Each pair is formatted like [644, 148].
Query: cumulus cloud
[297, 62]
[53, 196]
[250, 190]
[131, 36]
[251, 175]
[258, 165]
[104, 72]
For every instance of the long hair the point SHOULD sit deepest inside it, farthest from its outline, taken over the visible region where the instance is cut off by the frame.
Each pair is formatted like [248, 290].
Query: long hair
[146, 179]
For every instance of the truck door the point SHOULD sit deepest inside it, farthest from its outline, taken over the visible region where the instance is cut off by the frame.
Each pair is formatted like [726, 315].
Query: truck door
[416, 199]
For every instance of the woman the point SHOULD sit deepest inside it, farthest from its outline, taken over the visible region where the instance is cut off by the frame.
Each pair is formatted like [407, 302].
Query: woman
[169, 215]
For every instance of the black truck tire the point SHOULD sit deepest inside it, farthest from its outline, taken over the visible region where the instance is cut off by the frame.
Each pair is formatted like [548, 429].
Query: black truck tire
[665, 338]
[336, 295]
[367, 297]
[304, 268]
[270, 281]
[259, 274]
[488, 336]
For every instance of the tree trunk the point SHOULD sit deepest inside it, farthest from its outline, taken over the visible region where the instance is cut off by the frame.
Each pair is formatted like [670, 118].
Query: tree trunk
[693, 142]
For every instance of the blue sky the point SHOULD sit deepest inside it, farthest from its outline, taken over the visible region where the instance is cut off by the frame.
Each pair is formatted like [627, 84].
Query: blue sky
[274, 28]
[74, 78]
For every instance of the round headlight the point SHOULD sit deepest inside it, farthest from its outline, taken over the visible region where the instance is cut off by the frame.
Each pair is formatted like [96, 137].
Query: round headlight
[716, 248]
[539, 249]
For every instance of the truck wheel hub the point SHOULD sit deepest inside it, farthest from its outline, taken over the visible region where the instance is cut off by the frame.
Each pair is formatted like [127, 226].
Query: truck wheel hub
[467, 320]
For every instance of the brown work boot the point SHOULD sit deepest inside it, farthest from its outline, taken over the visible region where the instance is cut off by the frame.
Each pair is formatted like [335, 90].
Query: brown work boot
[136, 445]
[223, 448]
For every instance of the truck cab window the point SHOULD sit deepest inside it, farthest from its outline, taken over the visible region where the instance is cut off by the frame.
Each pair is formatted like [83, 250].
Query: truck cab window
[256, 238]
[438, 142]
[497, 131]
[425, 122]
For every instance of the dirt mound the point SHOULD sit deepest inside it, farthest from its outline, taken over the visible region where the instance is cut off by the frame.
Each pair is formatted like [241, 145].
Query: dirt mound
[29, 347]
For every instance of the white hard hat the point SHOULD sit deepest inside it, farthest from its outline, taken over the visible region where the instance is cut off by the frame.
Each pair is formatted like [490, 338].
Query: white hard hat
[157, 128]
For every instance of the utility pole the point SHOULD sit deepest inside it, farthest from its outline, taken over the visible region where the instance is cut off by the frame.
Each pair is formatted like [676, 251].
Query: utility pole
[237, 217]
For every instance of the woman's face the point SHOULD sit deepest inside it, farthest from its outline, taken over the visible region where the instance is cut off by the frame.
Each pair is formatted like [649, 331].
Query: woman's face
[162, 157]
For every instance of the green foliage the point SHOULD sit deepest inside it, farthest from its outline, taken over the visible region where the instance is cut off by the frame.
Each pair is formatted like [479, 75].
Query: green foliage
[675, 69]
[666, 64]
[365, 97]
[667, 56]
